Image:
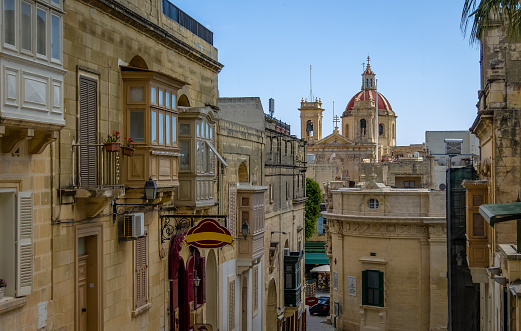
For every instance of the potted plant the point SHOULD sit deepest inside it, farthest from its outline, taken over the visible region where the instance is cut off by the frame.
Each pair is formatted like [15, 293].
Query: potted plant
[128, 146]
[3, 285]
[112, 144]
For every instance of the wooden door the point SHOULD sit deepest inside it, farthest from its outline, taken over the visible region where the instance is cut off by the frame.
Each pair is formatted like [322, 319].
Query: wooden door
[82, 292]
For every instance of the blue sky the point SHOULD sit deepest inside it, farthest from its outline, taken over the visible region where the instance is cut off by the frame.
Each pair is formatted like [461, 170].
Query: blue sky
[424, 65]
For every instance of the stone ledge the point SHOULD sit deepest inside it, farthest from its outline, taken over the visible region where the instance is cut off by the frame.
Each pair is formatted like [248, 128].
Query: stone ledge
[141, 309]
[9, 303]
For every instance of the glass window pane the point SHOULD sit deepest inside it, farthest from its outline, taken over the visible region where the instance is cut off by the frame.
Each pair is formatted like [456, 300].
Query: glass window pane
[167, 100]
[160, 97]
[161, 129]
[137, 94]
[198, 157]
[26, 26]
[9, 22]
[174, 129]
[137, 125]
[204, 166]
[372, 279]
[167, 129]
[56, 2]
[174, 101]
[153, 95]
[41, 33]
[154, 126]
[185, 129]
[184, 147]
[198, 131]
[55, 38]
[211, 133]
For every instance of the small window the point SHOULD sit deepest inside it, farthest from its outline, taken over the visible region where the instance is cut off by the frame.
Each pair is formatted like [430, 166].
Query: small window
[26, 26]
[373, 203]
[167, 129]
[161, 97]
[153, 95]
[137, 125]
[478, 225]
[363, 125]
[174, 129]
[184, 147]
[153, 115]
[9, 22]
[380, 129]
[55, 37]
[373, 288]
[137, 94]
[161, 128]
[41, 32]
[174, 101]
[167, 100]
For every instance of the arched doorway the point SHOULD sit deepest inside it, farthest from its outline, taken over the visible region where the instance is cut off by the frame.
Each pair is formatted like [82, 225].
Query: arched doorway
[271, 312]
[211, 295]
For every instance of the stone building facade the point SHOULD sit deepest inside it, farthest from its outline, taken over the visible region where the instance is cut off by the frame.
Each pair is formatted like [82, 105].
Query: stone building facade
[492, 250]
[270, 160]
[388, 251]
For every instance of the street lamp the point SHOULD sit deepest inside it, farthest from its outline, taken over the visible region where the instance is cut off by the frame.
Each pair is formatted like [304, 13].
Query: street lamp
[245, 230]
[150, 189]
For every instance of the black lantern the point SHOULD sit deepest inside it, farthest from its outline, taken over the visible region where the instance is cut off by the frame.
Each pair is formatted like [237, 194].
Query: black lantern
[245, 230]
[459, 260]
[150, 189]
[197, 281]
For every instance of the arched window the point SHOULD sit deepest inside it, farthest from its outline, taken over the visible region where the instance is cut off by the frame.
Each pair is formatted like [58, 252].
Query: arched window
[381, 129]
[309, 128]
[363, 125]
[371, 82]
[243, 173]
[346, 131]
[366, 82]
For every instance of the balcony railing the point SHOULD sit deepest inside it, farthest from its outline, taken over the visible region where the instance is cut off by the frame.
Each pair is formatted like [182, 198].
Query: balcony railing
[187, 22]
[96, 168]
[281, 126]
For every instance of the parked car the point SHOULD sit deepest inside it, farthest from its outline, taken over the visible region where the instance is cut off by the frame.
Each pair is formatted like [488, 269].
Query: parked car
[321, 308]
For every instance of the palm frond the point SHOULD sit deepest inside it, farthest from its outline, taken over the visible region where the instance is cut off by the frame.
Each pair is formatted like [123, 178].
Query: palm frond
[488, 12]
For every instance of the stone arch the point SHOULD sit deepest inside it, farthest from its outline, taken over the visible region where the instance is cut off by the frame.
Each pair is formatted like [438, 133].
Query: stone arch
[243, 173]
[138, 62]
[363, 126]
[271, 311]
[212, 282]
[183, 101]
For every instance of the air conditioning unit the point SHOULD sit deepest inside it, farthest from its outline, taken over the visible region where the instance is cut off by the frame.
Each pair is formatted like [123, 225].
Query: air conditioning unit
[286, 251]
[134, 225]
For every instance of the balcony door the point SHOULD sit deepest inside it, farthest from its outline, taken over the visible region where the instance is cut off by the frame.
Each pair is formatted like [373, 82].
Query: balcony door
[88, 104]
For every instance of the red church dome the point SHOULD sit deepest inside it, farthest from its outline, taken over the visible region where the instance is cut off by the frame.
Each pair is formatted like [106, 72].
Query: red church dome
[366, 95]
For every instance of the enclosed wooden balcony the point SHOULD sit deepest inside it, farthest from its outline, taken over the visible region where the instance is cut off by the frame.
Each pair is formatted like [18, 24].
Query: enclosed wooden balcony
[477, 229]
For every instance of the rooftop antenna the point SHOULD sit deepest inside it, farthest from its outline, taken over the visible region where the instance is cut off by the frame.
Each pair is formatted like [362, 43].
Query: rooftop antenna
[310, 86]
[272, 106]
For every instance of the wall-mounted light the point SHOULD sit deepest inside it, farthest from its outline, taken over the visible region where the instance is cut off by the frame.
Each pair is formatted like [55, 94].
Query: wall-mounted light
[150, 189]
[245, 230]
[459, 260]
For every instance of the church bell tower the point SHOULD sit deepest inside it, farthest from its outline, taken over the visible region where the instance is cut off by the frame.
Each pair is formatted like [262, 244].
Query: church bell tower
[311, 120]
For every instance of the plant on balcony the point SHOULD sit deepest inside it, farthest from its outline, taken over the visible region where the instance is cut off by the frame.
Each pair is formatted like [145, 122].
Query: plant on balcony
[128, 146]
[3, 285]
[112, 144]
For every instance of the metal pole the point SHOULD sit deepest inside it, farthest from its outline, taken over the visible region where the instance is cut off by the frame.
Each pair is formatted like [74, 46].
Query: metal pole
[377, 125]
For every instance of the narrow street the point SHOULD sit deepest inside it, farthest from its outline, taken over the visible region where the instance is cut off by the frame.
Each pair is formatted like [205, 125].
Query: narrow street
[317, 323]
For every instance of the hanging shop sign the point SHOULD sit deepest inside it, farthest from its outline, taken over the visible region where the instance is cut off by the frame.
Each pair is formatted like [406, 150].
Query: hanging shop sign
[208, 233]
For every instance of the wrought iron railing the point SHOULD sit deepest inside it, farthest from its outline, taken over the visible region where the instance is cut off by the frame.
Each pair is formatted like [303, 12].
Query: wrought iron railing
[187, 22]
[94, 167]
[277, 122]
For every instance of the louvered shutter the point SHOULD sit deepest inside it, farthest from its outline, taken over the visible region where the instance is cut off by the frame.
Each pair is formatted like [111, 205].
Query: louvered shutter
[381, 288]
[87, 130]
[141, 272]
[364, 287]
[24, 244]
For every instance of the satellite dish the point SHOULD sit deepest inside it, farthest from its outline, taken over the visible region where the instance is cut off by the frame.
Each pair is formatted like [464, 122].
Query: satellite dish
[442, 187]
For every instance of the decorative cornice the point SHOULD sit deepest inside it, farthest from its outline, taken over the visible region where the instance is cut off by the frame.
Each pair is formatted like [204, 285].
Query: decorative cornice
[155, 31]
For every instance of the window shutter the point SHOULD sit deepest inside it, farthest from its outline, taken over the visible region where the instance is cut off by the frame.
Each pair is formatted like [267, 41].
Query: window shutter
[381, 288]
[87, 130]
[141, 294]
[24, 244]
[364, 287]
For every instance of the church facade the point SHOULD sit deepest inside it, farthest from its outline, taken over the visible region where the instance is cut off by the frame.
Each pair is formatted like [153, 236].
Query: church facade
[338, 156]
